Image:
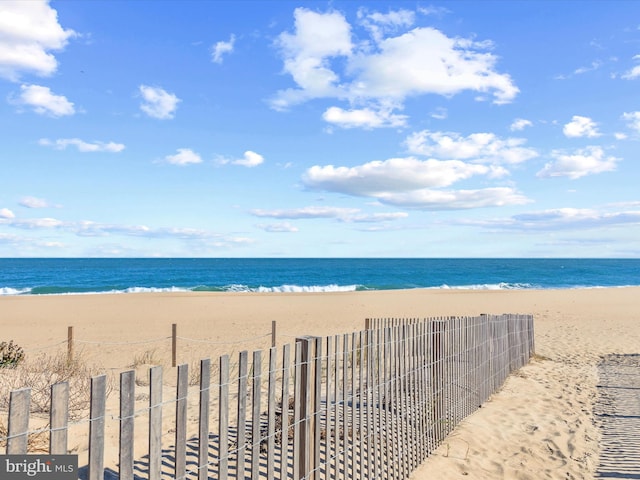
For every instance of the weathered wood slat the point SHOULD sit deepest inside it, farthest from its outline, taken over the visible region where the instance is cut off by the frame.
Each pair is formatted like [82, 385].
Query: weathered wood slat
[155, 423]
[316, 409]
[352, 407]
[271, 412]
[203, 419]
[345, 401]
[127, 421]
[96, 427]
[297, 413]
[223, 419]
[329, 451]
[242, 412]
[255, 414]
[18, 424]
[59, 418]
[181, 422]
[284, 411]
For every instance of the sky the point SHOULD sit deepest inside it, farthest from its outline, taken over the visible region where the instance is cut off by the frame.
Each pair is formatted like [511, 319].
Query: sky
[319, 129]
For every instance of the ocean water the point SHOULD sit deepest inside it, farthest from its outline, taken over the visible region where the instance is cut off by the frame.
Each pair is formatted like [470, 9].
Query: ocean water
[47, 276]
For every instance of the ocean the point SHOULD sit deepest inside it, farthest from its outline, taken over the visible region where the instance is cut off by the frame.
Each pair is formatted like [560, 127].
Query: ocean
[49, 276]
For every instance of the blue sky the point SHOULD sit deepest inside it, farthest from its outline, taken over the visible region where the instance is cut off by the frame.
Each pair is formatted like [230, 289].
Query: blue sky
[319, 129]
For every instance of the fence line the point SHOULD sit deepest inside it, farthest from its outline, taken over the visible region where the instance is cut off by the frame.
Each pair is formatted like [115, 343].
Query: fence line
[371, 404]
[71, 341]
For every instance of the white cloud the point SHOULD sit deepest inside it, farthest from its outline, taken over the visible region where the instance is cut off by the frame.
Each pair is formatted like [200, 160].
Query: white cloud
[394, 175]
[427, 199]
[363, 118]
[158, 103]
[432, 10]
[595, 65]
[520, 124]
[380, 23]
[393, 18]
[198, 239]
[284, 227]
[378, 217]
[587, 161]
[581, 127]
[633, 120]
[34, 202]
[37, 223]
[413, 183]
[324, 62]
[620, 136]
[634, 72]
[566, 219]
[6, 213]
[476, 147]
[29, 31]
[348, 215]
[250, 159]
[81, 145]
[306, 212]
[185, 156]
[423, 61]
[44, 102]
[439, 113]
[317, 38]
[222, 48]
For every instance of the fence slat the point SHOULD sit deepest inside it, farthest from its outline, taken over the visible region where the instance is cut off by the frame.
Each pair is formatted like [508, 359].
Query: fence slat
[59, 418]
[242, 412]
[316, 409]
[255, 415]
[271, 413]
[328, 442]
[203, 419]
[345, 401]
[223, 419]
[96, 427]
[127, 421]
[297, 412]
[387, 402]
[181, 421]
[155, 423]
[18, 426]
[284, 412]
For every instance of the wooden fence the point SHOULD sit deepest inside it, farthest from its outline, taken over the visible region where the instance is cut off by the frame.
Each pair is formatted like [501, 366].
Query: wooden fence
[371, 404]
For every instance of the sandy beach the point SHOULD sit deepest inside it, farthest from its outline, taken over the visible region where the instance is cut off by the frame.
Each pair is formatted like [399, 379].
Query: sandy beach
[540, 425]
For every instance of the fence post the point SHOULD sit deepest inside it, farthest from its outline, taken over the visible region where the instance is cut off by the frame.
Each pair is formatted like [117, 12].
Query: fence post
[69, 344]
[273, 333]
[174, 344]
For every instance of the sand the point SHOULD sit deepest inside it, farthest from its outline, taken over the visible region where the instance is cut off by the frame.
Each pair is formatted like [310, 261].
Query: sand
[540, 425]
